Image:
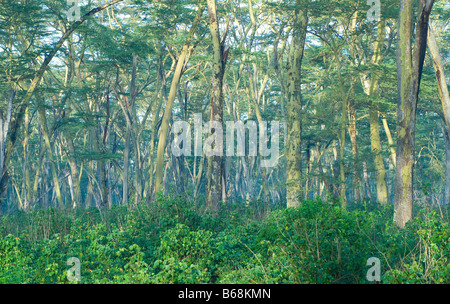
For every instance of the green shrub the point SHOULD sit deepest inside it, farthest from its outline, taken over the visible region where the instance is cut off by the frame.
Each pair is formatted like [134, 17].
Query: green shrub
[175, 240]
[14, 261]
[184, 256]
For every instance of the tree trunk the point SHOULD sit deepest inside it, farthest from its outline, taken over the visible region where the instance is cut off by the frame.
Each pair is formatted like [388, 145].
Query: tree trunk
[341, 136]
[353, 132]
[5, 119]
[74, 173]
[34, 83]
[366, 181]
[126, 159]
[370, 88]
[445, 100]
[215, 162]
[446, 133]
[379, 163]
[294, 108]
[148, 190]
[48, 146]
[164, 128]
[390, 141]
[409, 70]
[26, 166]
[440, 76]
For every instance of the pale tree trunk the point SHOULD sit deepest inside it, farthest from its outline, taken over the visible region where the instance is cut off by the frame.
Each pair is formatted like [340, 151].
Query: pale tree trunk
[342, 132]
[387, 130]
[370, 88]
[216, 185]
[256, 94]
[137, 134]
[446, 133]
[34, 83]
[103, 135]
[198, 174]
[131, 131]
[160, 97]
[126, 159]
[39, 169]
[26, 167]
[379, 163]
[294, 108]
[48, 146]
[366, 180]
[393, 158]
[74, 178]
[440, 76]
[256, 97]
[101, 166]
[76, 200]
[149, 187]
[95, 132]
[353, 133]
[409, 69]
[164, 128]
[445, 100]
[5, 119]
[46, 200]
[90, 188]
[342, 188]
[309, 161]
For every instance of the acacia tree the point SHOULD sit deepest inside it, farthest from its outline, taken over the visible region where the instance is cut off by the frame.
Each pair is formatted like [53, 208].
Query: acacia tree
[180, 66]
[24, 103]
[370, 86]
[409, 69]
[294, 105]
[216, 187]
[445, 100]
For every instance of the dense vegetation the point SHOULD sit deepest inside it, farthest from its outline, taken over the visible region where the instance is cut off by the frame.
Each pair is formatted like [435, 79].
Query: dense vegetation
[177, 241]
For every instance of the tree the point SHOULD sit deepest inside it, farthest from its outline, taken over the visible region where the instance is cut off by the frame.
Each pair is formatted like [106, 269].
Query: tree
[14, 128]
[294, 106]
[409, 68]
[445, 100]
[216, 188]
[164, 128]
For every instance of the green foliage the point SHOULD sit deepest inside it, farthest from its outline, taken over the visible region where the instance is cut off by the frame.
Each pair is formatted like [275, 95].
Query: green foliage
[14, 261]
[184, 256]
[174, 240]
[428, 260]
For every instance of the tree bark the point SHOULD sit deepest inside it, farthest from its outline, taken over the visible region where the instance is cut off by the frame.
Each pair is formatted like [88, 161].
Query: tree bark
[446, 133]
[445, 100]
[47, 141]
[294, 108]
[164, 128]
[387, 130]
[34, 83]
[370, 87]
[215, 169]
[126, 159]
[379, 163]
[160, 97]
[353, 132]
[440, 76]
[5, 119]
[409, 70]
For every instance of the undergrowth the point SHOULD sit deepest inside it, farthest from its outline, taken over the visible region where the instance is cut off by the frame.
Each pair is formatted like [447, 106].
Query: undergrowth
[176, 240]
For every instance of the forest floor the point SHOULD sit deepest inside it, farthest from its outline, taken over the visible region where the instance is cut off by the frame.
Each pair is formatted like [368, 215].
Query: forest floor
[175, 240]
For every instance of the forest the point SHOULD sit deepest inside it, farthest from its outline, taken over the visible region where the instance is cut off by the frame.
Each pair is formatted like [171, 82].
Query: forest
[224, 141]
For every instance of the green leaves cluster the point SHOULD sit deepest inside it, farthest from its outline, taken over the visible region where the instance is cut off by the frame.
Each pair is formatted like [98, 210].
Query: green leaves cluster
[173, 240]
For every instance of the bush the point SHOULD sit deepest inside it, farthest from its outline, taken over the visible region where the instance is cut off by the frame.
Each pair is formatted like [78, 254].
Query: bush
[174, 240]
